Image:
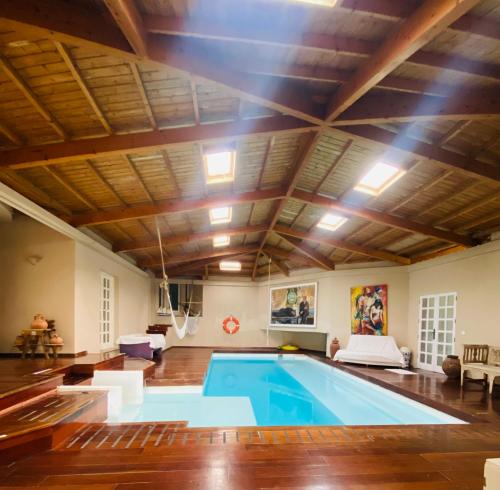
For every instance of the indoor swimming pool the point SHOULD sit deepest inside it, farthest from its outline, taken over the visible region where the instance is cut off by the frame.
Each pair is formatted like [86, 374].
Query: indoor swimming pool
[273, 390]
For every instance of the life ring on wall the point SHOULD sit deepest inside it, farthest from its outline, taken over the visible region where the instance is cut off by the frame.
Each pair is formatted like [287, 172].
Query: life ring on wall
[231, 324]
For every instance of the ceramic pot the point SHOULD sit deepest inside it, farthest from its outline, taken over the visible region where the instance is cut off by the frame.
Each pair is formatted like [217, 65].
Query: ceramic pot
[334, 347]
[55, 339]
[451, 367]
[39, 322]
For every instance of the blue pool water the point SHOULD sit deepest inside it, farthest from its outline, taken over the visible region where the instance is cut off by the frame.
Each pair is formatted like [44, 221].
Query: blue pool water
[266, 390]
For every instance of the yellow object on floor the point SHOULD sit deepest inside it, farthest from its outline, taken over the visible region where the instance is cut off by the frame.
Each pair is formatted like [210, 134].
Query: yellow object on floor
[289, 347]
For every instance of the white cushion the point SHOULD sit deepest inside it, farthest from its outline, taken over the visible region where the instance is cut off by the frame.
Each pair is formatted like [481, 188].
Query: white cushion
[156, 341]
[371, 349]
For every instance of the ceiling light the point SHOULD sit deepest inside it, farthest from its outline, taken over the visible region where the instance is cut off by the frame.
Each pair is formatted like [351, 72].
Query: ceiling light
[221, 240]
[220, 215]
[219, 167]
[230, 265]
[331, 222]
[379, 178]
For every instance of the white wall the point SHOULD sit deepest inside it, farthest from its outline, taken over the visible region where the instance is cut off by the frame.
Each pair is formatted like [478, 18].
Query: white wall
[132, 297]
[474, 275]
[26, 289]
[249, 302]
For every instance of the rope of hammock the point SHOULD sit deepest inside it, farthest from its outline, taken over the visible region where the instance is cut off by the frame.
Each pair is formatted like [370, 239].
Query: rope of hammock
[270, 306]
[188, 326]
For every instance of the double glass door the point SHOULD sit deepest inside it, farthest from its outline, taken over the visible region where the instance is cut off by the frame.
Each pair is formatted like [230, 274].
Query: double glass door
[436, 330]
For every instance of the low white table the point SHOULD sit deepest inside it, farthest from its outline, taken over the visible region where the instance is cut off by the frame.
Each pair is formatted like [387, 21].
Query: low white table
[490, 370]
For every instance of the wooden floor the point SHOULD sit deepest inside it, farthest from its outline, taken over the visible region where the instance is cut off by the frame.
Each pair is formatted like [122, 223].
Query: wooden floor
[170, 455]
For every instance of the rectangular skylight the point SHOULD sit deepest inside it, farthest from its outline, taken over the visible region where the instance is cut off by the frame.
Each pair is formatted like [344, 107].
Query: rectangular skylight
[230, 265]
[219, 166]
[379, 178]
[221, 240]
[331, 222]
[220, 215]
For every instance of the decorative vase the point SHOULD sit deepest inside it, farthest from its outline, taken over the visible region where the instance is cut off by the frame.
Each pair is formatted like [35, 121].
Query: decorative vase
[334, 347]
[39, 322]
[55, 339]
[406, 353]
[451, 366]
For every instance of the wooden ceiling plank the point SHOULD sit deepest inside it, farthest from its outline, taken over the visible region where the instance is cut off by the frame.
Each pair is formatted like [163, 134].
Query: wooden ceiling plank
[144, 96]
[452, 132]
[494, 215]
[343, 245]
[194, 96]
[32, 98]
[10, 135]
[25, 187]
[280, 265]
[59, 153]
[169, 206]
[77, 75]
[104, 182]
[138, 178]
[321, 260]
[423, 25]
[456, 161]
[129, 21]
[56, 175]
[174, 240]
[286, 36]
[439, 253]
[287, 255]
[383, 218]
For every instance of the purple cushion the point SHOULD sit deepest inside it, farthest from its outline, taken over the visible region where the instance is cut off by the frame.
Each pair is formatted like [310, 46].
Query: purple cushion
[137, 350]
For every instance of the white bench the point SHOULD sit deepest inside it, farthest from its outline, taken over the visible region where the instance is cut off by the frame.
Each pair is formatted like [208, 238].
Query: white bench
[490, 370]
[371, 349]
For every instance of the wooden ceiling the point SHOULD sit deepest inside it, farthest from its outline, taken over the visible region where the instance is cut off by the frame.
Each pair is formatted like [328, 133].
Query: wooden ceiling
[106, 107]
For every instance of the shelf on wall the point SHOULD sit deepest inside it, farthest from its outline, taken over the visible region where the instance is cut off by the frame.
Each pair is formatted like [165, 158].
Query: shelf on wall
[292, 329]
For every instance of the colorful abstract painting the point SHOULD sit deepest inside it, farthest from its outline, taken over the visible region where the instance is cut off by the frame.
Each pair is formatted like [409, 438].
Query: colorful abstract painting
[369, 310]
[294, 306]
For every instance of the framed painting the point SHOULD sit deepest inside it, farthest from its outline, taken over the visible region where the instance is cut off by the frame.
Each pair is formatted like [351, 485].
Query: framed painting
[369, 310]
[293, 306]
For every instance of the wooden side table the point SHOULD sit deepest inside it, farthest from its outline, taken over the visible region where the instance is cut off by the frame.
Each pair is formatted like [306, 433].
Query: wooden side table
[33, 338]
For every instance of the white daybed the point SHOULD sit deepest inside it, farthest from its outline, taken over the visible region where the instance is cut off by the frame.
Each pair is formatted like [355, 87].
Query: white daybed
[371, 349]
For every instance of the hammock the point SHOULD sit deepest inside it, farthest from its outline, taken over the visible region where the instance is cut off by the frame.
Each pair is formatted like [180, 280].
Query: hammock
[190, 325]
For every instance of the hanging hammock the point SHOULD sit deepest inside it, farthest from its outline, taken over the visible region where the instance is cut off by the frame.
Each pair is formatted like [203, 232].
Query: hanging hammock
[190, 325]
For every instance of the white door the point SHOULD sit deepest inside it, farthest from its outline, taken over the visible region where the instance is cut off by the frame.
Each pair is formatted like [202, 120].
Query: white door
[106, 311]
[436, 337]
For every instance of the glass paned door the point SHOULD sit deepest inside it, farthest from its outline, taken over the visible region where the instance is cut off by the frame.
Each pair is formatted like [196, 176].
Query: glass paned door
[106, 311]
[436, 330]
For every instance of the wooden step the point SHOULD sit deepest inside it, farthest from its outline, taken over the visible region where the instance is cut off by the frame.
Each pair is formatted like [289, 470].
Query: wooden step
[46, 422]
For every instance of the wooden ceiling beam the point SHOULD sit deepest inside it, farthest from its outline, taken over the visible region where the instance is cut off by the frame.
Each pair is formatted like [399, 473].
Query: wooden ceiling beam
[133, 169]
[59, 153]
[142, 92]
[384, 107]
[304, 154]
[351, 247]
[77, 75]
[439, 253]
[98, 175]
[423, 25]
[174, 240]
[286, 35]
[382, 218]
[279, 264]
[452, 160]
[320, 259]
[287, 255]
[10, 135]
[169, 206]
[32, 97]
[208, 254]
[129, 21]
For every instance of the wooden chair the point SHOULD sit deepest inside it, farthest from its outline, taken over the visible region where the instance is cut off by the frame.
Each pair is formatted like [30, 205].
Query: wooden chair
[476, 354]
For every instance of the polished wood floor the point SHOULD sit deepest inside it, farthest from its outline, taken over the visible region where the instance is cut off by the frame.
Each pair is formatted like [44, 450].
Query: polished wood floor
[170, 455]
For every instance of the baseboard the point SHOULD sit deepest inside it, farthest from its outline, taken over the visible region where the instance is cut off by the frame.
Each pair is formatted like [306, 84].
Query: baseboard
[39, 355]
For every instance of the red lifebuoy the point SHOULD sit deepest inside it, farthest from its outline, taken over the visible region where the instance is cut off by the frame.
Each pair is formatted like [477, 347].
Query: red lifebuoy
[231, 324]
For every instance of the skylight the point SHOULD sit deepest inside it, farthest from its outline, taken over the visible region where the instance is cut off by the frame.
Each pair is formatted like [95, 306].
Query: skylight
[331, 222]
[230, 265]
[219, 167]
[221, 240]
[220, 215]
[378, 179]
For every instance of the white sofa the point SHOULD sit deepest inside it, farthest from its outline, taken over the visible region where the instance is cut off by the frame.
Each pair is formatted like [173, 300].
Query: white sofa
[371, 350]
